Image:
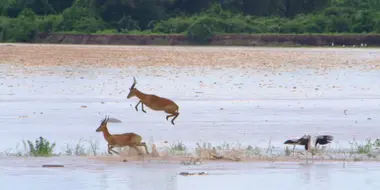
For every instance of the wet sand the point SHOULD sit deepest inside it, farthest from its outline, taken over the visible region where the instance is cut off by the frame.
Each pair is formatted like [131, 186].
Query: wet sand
[240, 96]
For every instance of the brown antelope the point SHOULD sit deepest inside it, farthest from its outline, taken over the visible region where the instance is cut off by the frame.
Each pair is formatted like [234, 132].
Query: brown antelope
[120, 140]
[154, 102]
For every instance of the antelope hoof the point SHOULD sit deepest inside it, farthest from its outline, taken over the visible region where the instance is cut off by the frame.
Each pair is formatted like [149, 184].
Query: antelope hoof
[136, 109]
[144, 111]
[172, 122]
[167, 117]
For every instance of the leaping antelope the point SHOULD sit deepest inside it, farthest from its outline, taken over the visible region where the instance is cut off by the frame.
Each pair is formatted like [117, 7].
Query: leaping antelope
[154, 102]
[306, 141]
[120, 140]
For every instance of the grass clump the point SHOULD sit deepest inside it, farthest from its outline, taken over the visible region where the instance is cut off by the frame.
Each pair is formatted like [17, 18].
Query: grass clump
[178, 149]
[80, 150]
[41, 147]
[368, 150]
[368, 147]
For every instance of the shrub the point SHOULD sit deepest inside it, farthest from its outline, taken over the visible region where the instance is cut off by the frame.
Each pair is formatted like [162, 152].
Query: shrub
[42, 147]
[80, 19]
[24, 28]
[202, 29]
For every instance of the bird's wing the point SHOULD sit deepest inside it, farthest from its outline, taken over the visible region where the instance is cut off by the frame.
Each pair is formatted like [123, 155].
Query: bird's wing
[291, 141]
[325, 137]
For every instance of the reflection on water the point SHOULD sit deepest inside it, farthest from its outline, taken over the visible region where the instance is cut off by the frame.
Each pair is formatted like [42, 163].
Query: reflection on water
[27, 174]
[86, 177]
[164, 178]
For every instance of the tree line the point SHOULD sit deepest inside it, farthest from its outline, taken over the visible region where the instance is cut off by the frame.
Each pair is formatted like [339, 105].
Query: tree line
[22, 20]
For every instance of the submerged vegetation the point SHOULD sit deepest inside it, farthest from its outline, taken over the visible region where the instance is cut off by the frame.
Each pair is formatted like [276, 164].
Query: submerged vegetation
[368, 150]
[22, 21]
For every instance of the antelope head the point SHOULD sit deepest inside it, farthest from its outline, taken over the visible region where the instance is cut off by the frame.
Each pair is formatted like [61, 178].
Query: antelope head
[132, 89]
[103, 124]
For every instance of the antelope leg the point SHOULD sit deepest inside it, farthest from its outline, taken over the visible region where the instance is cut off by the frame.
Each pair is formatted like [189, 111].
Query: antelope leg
[137, 105]
[142, 107]
[110, 150]
[175, 116]
[167, 117]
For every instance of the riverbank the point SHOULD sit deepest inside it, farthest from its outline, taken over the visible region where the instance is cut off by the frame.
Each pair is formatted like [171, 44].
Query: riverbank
[217, 40]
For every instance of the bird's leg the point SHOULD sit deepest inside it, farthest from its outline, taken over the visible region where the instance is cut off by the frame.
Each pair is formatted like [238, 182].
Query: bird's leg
[137, 105]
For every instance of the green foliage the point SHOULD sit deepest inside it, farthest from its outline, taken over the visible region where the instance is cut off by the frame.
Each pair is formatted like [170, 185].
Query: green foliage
[80, 19]
[49, 23]
[200, 20]
[126, 23]
[173, 25]
[42, 147]
[24, 28]
[202, 29]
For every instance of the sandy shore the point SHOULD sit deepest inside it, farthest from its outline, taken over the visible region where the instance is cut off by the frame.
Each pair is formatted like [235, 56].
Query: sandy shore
[142, 56]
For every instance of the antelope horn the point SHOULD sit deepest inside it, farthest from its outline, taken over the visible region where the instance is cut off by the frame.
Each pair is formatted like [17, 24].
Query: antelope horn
[104, 120]
[134, 83]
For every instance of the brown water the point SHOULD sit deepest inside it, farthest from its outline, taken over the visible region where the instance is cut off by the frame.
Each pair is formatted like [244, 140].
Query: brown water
[82, 173]
[232, 105]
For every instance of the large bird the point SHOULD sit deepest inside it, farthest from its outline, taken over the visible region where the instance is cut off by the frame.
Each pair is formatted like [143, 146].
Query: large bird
[306, 141]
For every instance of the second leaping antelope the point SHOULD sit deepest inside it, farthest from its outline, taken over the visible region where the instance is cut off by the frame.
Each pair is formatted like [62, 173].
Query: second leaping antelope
[154, 102]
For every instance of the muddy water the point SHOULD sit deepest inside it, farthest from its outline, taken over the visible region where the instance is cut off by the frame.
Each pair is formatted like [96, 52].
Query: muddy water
[81, 173]
[233, 105]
